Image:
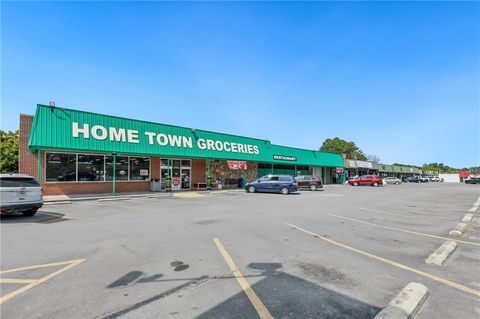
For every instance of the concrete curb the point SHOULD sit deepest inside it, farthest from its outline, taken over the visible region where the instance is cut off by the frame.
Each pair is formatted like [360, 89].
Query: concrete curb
[439, 256]
[473, 209]
[458, 230]
[112, 199]
[406, 304]
[57, 202]
[79, 199]
[467, 218]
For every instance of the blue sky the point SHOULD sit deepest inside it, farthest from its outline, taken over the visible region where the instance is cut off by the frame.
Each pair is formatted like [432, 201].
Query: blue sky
[400, 79]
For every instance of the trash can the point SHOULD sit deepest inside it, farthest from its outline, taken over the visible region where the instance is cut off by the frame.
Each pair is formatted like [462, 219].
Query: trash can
[155, 185]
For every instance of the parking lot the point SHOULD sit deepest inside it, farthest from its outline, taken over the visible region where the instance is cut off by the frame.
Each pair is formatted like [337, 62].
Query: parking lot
[344, 252]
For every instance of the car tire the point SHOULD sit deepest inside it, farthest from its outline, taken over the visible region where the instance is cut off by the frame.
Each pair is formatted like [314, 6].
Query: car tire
[284, 190]
[375, 184]
[313, 187]
[252, 189]
[30, 212]
[396, 183]
[355, 184]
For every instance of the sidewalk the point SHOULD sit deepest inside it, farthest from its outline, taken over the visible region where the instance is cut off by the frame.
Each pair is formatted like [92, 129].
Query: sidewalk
[120, 196]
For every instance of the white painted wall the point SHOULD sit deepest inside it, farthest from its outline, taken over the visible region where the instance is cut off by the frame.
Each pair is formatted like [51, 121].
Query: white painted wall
[450, 178]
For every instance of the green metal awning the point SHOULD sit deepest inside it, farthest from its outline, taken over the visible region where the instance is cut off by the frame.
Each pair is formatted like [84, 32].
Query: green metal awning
[73, 130]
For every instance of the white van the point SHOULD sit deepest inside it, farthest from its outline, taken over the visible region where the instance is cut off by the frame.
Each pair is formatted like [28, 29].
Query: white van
[20, 193]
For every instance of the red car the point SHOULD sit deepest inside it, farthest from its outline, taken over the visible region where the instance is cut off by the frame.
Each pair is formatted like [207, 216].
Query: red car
[373, 180]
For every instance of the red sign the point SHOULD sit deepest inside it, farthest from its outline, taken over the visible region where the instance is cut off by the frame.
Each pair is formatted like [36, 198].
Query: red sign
[234, 165]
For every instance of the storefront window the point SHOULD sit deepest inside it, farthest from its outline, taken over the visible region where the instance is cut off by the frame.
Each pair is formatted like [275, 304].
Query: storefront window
[61, 167]
[121, 169]
[90, 167]
[139, 168]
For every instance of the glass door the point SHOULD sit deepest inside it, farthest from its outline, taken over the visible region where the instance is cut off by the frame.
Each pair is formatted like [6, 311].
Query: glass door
[185, 172]
[180, 173]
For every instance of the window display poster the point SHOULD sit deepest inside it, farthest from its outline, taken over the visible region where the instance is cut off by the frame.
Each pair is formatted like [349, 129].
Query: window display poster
[176, 183]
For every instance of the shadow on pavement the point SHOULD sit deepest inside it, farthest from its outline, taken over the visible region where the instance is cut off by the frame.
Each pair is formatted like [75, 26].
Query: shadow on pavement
[18, 218]
[288, 296]
[285, 296]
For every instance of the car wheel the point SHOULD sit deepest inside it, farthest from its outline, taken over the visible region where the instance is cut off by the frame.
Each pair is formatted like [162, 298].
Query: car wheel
[313, 187]
[252, 189]
[30, 212]
[375, 184]
[396, 183]
[355, 183]
[284, 190]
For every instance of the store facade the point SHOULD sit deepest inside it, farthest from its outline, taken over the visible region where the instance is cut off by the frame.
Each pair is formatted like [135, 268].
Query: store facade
[74, 152]
[355, 167]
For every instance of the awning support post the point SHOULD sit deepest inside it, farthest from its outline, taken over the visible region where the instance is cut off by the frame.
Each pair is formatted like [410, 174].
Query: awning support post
[114, 179]
[209, 176]
[39, 166]
[168, 179]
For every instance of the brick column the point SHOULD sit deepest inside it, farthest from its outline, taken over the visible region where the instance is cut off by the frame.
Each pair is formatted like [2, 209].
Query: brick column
[27, 160]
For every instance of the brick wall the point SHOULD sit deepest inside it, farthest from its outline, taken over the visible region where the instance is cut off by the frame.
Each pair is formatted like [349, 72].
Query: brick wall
[67, 188]
[199, 168]
[27, 160]
[28, 165]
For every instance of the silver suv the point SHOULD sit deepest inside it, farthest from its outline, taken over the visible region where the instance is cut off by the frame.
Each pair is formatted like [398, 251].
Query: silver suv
[20, 193]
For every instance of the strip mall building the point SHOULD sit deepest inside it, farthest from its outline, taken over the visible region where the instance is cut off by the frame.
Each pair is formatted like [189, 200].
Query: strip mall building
[76, 152]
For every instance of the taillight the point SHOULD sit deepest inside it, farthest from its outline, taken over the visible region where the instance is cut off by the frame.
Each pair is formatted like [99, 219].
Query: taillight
[295, 184]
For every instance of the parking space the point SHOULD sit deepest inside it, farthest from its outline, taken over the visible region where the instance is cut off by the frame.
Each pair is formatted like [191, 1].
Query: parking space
[339, 253]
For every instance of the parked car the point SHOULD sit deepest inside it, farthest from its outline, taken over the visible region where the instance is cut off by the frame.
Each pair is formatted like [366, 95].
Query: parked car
[309, 182]
[392, 180]
[413, 179]
[405, 179]
[283, 184]
[19, 192]
[435, 179]
[373, 180]
[424, 179]
[472, 180]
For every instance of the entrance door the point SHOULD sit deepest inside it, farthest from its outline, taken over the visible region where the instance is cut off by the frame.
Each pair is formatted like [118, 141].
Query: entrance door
[180, 173]
[185, 171]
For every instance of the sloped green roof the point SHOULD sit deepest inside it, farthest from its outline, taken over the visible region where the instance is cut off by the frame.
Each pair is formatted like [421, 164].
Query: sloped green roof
[74, 130]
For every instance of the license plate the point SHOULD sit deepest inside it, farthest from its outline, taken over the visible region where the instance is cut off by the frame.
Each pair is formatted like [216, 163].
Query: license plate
[21, 195]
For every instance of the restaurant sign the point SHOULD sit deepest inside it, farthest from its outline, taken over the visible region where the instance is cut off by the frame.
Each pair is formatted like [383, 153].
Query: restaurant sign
[285, 158]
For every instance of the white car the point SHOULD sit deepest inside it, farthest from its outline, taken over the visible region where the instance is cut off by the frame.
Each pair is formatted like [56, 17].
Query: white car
[20, 193]
[392, 180]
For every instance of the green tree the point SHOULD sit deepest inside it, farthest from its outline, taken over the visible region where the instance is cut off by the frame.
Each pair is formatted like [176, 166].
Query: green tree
[439, 167]
[8, 152]
[337, 145]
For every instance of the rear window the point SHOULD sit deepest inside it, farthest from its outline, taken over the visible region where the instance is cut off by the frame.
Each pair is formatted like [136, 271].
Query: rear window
[18, 182]
[285, 178]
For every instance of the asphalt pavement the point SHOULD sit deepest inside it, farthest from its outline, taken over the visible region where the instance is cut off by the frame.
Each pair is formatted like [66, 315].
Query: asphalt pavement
[344, 252]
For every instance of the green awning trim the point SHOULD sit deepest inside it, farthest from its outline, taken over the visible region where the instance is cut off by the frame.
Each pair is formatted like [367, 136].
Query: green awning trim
[73, 130]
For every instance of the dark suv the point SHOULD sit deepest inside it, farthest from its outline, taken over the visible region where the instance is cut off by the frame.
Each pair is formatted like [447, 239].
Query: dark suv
[311, 182]
[473, 180]
[283, 184]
